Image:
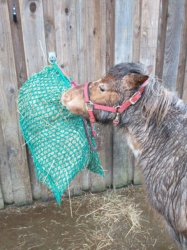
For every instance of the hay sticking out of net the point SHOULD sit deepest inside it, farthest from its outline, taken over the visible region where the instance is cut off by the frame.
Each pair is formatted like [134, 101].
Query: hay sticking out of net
[55, 137]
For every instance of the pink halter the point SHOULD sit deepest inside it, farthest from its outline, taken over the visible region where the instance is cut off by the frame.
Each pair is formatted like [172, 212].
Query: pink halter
[118, 110]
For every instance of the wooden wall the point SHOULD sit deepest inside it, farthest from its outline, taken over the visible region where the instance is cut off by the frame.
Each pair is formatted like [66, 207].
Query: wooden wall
[88, 38]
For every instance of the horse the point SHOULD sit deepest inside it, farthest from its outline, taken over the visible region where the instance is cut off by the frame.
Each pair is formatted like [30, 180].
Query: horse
[154, 121]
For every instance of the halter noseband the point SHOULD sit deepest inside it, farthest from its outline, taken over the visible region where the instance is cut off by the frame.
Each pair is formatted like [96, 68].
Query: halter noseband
[117, 110]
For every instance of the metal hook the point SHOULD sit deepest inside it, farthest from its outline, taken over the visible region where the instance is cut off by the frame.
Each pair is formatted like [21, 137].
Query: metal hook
[14, 14]
[52, 57]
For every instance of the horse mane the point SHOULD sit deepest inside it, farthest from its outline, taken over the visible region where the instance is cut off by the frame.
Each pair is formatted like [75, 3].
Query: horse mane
[156, 101]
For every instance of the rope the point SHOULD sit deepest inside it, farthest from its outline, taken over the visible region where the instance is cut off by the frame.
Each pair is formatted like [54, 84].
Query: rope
[87, 128]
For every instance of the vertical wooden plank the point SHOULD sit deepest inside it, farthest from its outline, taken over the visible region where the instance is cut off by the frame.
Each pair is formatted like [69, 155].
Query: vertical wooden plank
[137, 15]
[162, 26]
[67, 24]
[182, 55]
[66, 42]
[17, 38]
[1, 198]
[17, 41]
[5, 169]
[83, 180]
[81, 19]
[124, 30]
[149, 32]
[110, 39]
[61, 10]
[36, 59]
[49, 25]
[96, 68]
[19, 55]
[173, 42]
[98, 62]
[5, 174]
[50, 39]
[110, 33]
[184, 94]
[148, 46]
[35, 185]
[9, 118]
[33, 35]
[82, 56]
[136, 30]
[120, 160]
[124, 16]
[184, 87]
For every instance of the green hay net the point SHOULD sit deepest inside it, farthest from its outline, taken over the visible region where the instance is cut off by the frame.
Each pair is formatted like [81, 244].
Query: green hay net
[55, 137]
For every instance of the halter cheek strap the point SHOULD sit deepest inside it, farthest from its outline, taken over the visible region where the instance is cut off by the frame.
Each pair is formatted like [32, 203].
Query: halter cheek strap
[117, 110]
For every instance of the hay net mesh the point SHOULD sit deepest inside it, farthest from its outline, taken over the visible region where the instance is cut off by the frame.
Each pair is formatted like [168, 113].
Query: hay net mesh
[55, 137]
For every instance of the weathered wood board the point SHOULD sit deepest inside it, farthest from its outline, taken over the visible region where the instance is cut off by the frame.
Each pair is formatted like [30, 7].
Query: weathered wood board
[16, 153]
[1, 199]
[36, 59]
[173, 42]
[124, 13]
[5, 174]
[88, 38]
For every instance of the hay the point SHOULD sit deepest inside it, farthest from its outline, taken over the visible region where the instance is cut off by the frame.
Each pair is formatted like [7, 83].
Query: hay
[106, 215]
[112, 220]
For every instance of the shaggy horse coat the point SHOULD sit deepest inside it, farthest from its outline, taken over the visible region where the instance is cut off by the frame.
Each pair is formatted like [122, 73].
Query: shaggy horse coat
[156, 131]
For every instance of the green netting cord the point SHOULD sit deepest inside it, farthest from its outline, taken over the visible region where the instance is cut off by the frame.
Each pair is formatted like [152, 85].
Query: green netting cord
[56, 138]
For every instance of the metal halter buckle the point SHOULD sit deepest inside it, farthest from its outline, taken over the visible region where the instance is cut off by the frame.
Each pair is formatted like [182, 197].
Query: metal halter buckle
[116, 119]
[131, 101]
[117, 107]
[89, 106]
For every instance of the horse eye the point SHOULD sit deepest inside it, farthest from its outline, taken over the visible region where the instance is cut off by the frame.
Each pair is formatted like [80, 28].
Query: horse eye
[102, 88]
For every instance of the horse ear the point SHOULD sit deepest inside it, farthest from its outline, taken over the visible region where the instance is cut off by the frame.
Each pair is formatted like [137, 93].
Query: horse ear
[134, 80]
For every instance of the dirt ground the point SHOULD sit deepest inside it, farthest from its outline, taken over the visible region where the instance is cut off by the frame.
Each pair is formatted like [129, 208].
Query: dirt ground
[113, 220]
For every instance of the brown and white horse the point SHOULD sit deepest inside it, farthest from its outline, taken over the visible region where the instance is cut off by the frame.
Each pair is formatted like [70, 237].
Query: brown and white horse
[154, 121]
